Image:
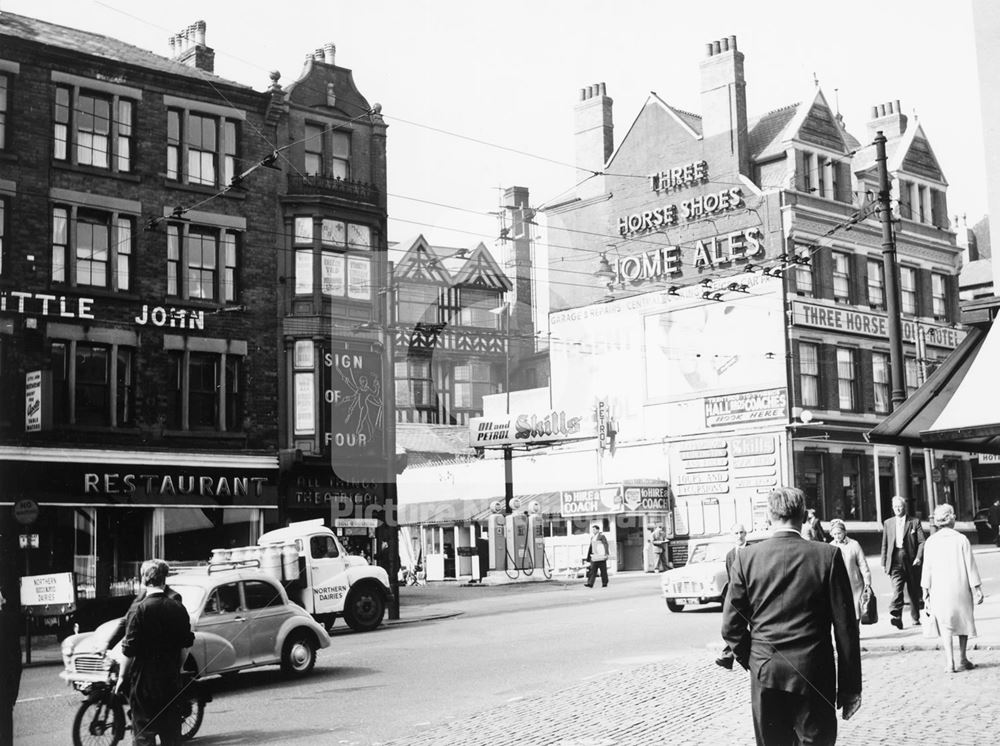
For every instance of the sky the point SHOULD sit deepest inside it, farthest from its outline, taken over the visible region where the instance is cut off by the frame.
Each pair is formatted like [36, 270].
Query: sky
[479, 96]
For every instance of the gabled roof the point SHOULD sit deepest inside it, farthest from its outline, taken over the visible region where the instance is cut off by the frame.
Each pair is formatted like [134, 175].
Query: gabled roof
[98, 45]
[421, 263]
[899, 151]
[766, 133]
[689, 122]
[482, 271]
[811, 121]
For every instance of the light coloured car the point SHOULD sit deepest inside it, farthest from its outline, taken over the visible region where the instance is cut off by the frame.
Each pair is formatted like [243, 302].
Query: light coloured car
[703, 579]
[241, 618]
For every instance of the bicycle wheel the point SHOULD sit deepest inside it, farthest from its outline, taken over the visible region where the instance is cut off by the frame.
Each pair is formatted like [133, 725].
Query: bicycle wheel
[99, 723]
[192, 715]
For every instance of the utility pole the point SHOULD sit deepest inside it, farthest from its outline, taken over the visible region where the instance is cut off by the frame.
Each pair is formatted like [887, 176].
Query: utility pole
[391, 515]
[897, 368]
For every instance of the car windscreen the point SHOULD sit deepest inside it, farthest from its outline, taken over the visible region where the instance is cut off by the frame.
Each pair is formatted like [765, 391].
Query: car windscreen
[713, 552]
[191, 596]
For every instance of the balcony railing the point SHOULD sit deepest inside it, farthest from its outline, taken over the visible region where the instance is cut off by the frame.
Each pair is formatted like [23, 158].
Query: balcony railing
[331, 187]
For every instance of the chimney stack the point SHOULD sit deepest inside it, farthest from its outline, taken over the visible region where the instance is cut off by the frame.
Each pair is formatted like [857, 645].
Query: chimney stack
[188, 47]
[888, 118]
[593, 134]
[329, 53]
[724, 102]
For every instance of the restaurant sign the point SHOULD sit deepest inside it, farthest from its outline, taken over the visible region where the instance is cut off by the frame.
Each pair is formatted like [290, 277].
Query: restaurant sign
[868, 324]
[746, 406]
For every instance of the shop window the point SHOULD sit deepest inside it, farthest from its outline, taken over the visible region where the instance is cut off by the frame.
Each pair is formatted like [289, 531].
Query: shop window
[92, 248]
[191, 533]
[304, 388]
[847, 379]
[881, 382]
[207, 392]
[202, 263]
[809, 478]
[876, 284]
[93, 128]
[841, 278]
[848, 504]
[908, 290]
[201, 148]
[808, 374]
[340, 155]
[939, 296]
[102, 393]
[4, 99]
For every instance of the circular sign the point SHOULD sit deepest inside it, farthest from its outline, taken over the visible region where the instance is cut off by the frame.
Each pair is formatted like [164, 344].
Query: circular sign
[26, 511]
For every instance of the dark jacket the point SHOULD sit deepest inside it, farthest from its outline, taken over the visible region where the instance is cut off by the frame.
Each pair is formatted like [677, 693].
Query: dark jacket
[119, 632]
[785, 595]
[156, 634]
[913, 542]
[590, 545]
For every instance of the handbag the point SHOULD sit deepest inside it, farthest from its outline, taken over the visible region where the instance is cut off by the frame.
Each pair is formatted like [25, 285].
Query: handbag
[869, 609]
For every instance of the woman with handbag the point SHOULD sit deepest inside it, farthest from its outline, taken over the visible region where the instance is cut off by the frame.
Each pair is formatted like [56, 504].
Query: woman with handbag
[857, 565]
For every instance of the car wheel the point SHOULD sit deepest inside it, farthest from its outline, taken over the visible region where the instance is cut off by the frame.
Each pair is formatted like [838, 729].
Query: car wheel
[674, 606]
[365, 608]
[298, 656]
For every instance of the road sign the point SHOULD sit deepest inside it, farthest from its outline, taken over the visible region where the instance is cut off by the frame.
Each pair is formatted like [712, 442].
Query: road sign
[26, 511]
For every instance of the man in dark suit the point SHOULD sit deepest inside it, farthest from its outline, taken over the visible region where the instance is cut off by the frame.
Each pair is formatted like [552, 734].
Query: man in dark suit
[157, 634]
[740, 534]
[785, 595]
[902, 553]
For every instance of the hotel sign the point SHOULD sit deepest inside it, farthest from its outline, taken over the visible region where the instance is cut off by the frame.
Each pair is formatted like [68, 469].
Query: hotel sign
[748, 406]
[868, 324]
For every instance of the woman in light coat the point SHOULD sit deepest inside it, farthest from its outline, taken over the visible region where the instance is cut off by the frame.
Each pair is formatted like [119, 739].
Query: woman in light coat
[951, 586]
[857, 565]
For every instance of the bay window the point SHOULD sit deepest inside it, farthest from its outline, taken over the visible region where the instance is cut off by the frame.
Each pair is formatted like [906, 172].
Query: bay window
[340, 258]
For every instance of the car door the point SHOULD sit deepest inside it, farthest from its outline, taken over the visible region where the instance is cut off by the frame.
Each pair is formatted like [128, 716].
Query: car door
[225, 616]
[266, 610]
[326, 569]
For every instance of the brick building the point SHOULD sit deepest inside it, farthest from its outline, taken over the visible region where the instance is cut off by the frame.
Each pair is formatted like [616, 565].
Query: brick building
[140, 408]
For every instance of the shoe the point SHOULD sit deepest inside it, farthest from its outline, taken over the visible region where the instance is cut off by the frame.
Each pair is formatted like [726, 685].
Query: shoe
[604, 585]
[967, 665]
[916, 622]
[725, 661]
[896, 622]
[588, 585]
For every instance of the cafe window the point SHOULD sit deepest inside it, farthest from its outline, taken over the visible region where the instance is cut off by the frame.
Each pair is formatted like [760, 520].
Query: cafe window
[102, 383]
[876, 284]
[92, 247]
[809, 374]
[881, 381]
[207, 391]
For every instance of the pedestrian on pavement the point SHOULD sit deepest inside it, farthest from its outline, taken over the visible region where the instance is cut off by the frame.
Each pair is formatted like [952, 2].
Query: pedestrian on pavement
[995, 520]
[652, 553]
[740, 534]
[854, 559]
[902, 553]
[597, 556]
[785, 595]
[156, 639]
[10, 669]
[812, 529]
[951, 584]
[660, 549]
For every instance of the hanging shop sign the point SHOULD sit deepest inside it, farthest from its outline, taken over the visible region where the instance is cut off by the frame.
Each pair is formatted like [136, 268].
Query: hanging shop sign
[681, 177]
[486, 432]
[646, 499]
[696, 208]
[707, 253]
[748, 406]
[868, 324]
[356, 397]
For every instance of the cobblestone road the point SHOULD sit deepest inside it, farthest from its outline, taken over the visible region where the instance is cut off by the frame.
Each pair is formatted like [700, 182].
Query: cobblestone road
[907, 699]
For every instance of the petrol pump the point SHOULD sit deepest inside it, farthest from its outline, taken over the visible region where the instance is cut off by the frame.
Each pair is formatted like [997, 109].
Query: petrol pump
[537, 534]
[497, 536]
[518, 540]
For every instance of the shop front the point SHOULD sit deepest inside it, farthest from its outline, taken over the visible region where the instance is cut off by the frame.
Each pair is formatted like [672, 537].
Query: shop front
[101, 513]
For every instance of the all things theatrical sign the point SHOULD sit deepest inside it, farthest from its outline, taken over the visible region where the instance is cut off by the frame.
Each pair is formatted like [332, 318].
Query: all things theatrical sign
[355, 394]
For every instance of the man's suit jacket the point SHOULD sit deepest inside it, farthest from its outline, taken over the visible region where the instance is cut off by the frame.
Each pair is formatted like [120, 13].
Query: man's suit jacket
[913, 541]
[785, 595]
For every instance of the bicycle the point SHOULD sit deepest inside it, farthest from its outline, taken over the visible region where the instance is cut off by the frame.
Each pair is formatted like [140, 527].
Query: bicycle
[103, 717]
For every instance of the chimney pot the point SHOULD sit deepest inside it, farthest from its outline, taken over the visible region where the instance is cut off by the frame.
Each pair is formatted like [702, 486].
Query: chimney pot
[732, 42]
[583, 94]
[318, 55]
[716, 47]
[899, 109]
[881, 110]
[724, 42]
[329, 53]
[172, 45]
[874, 112]
[890, 109]
[708, 49]
[602, 89]
[199, 33]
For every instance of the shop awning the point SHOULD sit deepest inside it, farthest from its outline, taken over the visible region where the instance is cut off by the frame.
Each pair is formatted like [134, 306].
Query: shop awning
[957, 407]
[445, 512]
